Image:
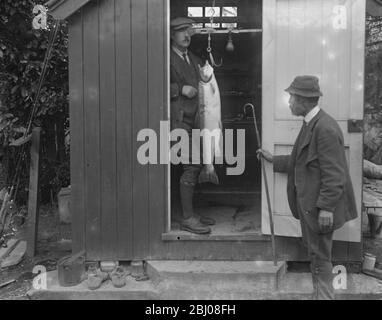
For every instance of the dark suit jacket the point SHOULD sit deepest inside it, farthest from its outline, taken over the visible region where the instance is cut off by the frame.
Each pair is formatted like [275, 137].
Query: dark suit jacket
[318, 174]
[184, 111]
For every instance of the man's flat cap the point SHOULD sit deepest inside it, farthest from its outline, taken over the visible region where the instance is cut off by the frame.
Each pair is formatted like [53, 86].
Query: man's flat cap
[306, 86]
[181, 23]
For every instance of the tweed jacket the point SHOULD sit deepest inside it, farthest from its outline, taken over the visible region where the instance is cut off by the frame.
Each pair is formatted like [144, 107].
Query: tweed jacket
[318, 175]
[184, 111]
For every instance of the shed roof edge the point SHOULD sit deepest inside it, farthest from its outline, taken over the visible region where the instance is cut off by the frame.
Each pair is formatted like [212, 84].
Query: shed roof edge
[62, 9]
[374, 7]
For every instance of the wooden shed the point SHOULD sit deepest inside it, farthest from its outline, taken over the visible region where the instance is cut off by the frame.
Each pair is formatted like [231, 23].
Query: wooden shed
[119, 84]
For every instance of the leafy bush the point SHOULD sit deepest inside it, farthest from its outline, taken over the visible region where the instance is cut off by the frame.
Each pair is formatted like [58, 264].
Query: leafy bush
[22, 52]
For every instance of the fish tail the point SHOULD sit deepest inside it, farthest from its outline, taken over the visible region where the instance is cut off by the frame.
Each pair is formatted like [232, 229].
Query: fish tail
[206, 176]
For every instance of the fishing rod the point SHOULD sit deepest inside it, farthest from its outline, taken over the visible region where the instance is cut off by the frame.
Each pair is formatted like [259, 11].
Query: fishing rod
[11, 193]
[22, 156]
[265, 183]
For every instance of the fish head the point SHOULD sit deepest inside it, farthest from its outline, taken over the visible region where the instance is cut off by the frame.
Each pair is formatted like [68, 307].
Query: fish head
[206, 72]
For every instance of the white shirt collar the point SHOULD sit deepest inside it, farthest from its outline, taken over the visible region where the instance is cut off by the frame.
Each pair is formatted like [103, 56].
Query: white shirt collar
[311, 114]
[178, 52]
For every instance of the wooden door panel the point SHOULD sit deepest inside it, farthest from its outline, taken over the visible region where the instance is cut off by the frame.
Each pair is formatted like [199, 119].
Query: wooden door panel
[311, 37]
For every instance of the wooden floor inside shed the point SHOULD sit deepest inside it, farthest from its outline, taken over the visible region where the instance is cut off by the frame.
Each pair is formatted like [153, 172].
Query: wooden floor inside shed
[236, 215]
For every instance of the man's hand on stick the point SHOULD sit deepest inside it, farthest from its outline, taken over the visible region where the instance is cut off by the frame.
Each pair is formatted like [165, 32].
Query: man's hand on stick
[265, 154]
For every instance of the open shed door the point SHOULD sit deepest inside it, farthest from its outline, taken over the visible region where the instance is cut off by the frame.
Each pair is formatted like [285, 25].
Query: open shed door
[323, 38]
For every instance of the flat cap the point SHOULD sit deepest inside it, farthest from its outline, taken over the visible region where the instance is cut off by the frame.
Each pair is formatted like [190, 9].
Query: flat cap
[305, 86]
[180, 23]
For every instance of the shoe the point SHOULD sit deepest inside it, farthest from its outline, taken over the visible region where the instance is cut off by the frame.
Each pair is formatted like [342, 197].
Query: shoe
[375, 273]
[95, 277]
[94, 281]
[93, 269]
[118, 277]
[193, 225]
[143, 277]
[207, 221]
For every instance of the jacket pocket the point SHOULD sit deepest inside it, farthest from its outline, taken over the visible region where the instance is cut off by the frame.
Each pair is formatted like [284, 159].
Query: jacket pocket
[311, 217]
[308, 204]
[311, 157]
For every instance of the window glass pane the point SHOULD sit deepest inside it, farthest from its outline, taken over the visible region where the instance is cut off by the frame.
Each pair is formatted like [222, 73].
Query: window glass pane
[195, 11]
[229, 12]
[212, 11]
[229, 25]
[214, 25]
[197, 25]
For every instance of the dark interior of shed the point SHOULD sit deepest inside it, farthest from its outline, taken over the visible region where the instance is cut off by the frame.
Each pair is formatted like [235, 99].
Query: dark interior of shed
[235, 203]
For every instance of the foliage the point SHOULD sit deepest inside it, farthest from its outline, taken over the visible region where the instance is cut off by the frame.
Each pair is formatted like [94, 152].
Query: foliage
[373, 65]
[22, 52]
[373, 90]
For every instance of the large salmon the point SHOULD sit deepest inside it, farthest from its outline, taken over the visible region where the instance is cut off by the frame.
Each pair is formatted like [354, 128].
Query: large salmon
[210, 123]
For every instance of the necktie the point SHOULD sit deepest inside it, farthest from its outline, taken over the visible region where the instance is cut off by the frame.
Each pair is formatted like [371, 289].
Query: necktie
[185, 57]
[303, 133]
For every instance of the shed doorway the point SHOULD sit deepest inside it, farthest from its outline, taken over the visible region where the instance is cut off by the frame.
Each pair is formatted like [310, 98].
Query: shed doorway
[235, 204]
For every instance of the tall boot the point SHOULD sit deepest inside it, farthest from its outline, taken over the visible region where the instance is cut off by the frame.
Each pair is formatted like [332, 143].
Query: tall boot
[190, 221]
[186, 199]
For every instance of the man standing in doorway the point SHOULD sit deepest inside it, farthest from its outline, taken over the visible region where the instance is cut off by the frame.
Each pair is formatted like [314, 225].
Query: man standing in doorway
[320, 192]
[184, 78]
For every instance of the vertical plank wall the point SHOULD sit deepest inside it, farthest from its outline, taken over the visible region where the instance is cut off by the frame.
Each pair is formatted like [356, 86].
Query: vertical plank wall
[118, 204]
[91, 126]
[108, 164]
[123, 128]
[157, 100]
[139, 34]
[76, 97]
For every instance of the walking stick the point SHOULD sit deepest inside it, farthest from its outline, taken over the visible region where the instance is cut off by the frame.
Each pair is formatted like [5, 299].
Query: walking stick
[265, 183]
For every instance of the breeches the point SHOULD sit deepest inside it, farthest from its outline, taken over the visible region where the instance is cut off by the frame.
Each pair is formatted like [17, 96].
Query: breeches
[190, 174]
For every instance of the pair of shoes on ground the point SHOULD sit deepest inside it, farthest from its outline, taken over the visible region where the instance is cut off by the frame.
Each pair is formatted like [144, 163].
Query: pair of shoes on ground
[376, 272]
[197, 224]
[96, 277]
[371, 267]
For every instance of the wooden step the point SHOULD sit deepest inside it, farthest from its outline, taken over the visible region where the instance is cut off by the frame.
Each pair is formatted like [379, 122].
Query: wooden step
[209, 279]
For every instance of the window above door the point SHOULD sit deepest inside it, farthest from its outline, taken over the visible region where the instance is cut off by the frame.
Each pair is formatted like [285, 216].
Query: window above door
[224, 17]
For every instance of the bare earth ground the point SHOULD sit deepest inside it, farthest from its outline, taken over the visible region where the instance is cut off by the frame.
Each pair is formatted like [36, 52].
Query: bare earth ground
[50, 249]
